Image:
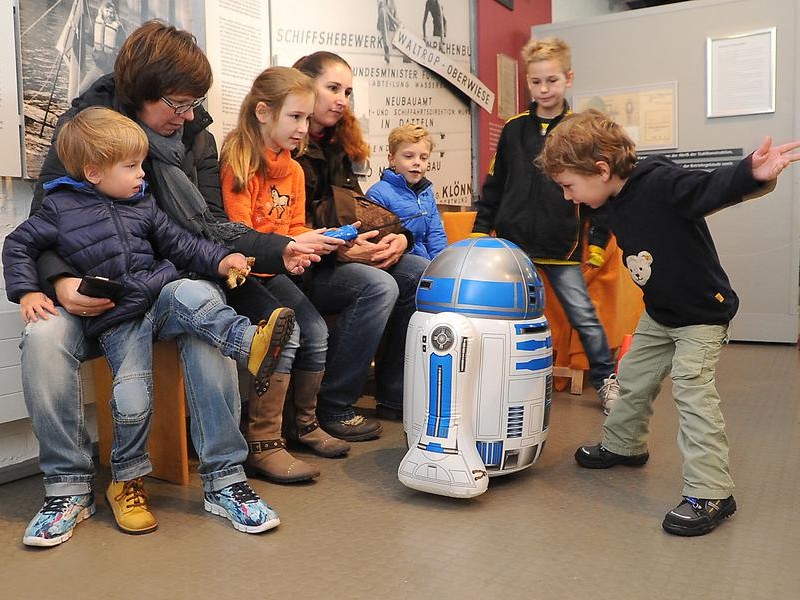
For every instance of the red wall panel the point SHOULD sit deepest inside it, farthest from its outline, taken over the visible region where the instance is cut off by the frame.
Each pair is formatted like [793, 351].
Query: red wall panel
[505, 31]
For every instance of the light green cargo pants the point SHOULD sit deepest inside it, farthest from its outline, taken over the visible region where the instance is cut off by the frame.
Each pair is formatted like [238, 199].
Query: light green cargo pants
[689, 354]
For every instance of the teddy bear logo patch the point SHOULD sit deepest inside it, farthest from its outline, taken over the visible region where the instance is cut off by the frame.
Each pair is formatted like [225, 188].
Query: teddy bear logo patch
[639, 267]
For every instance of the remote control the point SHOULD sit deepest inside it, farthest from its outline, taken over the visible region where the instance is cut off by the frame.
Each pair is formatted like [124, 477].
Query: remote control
[345, 232]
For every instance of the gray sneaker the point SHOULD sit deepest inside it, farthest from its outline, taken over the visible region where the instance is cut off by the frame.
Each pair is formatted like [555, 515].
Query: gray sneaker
[609, 392]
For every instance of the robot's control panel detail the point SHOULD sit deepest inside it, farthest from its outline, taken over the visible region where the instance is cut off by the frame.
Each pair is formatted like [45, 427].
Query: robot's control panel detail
[479, 363]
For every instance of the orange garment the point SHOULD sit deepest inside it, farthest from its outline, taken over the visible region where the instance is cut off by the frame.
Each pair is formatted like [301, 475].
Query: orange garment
[616, 298]
[274, 205]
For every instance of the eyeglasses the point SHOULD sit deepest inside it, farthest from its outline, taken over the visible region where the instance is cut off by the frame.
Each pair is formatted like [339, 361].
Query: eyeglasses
[185, 107]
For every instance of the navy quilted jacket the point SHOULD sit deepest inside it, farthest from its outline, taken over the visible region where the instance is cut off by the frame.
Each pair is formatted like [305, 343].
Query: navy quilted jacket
[130, 240]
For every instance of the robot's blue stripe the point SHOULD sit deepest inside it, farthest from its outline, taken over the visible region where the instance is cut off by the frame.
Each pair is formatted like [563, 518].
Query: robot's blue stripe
[536, 364]
[439, 395]
[537, 326]
[435, 447]
[491, 452]
[436, 290]
[497, 294]
[490, 242]
[534, 344]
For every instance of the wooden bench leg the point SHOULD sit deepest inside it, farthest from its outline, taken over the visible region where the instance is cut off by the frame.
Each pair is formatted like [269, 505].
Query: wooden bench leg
[574, 375]
[167, 443]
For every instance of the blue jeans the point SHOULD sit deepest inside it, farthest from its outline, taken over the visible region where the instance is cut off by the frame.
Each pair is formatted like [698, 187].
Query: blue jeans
[570, 289]
[184, 306]
[57, 346]
[367, 301]
[307, 348]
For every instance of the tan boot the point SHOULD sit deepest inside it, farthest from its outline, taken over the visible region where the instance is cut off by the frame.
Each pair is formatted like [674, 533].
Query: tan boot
[302, 425]
[268, 455]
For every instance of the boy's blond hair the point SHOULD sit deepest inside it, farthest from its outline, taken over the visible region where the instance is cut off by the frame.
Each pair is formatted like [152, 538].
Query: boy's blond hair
[583, 139]
[100, 137]
[551, 48]
[409, 133]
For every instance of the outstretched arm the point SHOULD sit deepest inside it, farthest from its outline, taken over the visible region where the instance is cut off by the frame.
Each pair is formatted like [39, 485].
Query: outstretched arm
[768, 161]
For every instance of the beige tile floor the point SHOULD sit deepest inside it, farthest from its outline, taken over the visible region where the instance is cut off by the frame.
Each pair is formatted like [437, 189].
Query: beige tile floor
[553, 532]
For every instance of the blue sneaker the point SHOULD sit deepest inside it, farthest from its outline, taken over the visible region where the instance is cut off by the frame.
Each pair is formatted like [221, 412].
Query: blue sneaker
[59, 515]
[242, 507]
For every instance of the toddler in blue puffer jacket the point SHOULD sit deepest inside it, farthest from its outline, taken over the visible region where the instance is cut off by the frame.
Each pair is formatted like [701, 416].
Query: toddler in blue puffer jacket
[104, 224]
[406, 191]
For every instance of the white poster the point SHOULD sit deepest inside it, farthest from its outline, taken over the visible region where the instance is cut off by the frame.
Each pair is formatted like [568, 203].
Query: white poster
[399, 90]
[68, 44]
[237, 40]
[10, 137]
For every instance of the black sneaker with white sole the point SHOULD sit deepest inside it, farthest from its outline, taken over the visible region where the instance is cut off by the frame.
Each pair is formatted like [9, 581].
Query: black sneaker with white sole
[599, 457]
[698, 516]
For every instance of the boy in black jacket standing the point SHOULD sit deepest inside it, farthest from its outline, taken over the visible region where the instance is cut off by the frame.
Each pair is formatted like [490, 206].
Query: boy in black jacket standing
[657, 211]
[522, 205]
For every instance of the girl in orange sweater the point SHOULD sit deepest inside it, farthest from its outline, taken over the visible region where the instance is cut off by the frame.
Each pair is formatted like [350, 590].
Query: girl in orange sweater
[264, 188]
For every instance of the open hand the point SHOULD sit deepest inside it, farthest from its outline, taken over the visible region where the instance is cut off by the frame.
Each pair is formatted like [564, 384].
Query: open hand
[34, 305]
[768, 161]
[298, 257]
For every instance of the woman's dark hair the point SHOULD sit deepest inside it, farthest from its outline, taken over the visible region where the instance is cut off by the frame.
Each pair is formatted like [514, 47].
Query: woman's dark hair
[347, 131]
[159, 60]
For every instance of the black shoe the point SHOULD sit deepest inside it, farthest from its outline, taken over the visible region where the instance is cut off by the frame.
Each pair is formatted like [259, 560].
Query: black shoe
[354, 429]
[389, 413]
[597, 457]
[697, 516]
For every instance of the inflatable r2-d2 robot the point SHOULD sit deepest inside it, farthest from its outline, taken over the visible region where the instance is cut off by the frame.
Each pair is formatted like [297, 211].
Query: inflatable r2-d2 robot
[478, 369]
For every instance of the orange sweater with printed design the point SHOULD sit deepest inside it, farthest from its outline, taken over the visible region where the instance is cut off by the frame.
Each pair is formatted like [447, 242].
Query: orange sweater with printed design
[273, 205]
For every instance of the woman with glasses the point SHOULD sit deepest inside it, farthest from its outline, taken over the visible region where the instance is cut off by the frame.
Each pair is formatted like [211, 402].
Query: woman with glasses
[160, 80]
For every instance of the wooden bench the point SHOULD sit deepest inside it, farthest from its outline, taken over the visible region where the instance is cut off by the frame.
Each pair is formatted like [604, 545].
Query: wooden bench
[168, 446]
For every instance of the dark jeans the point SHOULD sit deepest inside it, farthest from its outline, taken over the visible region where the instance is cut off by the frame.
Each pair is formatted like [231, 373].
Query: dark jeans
[367, 302]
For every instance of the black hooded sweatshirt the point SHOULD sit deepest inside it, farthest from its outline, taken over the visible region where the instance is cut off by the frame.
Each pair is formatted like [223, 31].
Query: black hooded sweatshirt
[658, 218]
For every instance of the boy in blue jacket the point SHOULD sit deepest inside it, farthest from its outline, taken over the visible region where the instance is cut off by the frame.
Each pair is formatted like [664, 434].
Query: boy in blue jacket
[406, 191]
[657, 210]
[103, 222]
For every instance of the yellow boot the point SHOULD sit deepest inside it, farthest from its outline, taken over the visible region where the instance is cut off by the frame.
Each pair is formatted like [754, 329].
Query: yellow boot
[267, 345]
[128, 501]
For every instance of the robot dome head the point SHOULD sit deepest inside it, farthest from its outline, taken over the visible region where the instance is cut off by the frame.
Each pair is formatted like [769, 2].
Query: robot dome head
[485, 277]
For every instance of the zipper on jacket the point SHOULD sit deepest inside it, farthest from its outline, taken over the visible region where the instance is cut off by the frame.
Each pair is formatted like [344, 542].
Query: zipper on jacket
[123, 236]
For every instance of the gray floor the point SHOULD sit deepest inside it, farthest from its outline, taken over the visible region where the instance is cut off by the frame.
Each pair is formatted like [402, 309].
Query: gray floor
[554, 531]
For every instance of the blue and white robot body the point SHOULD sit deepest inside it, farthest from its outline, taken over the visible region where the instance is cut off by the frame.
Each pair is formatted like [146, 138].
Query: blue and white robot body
[478, 379]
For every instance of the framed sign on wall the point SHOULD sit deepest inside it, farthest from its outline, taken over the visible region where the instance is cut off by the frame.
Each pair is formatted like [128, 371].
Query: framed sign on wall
[740, 72]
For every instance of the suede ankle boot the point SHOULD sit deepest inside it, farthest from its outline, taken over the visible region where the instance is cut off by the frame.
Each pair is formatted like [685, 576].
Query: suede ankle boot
[300, 419]
[268, 456]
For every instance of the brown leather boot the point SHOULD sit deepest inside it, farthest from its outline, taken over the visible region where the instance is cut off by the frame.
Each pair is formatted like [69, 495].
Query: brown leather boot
[300, 419]
[268, 455]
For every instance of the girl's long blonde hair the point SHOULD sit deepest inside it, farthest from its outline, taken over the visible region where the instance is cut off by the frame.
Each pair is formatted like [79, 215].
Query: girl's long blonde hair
[347, 131]
[243, 150]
